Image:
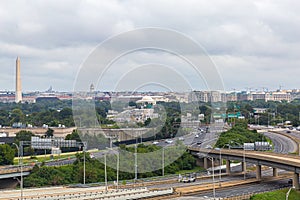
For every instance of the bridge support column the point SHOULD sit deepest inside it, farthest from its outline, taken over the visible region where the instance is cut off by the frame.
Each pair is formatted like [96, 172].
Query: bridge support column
[205, 163]
[244, 167]
[275, 172]
[228, 171]
[258, 172]
[296, 181]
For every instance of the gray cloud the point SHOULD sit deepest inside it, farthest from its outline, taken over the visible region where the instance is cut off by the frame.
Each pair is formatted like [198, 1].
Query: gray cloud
[257, 38]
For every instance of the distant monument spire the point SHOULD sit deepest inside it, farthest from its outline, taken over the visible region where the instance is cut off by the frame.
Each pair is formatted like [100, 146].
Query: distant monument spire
[18, 95]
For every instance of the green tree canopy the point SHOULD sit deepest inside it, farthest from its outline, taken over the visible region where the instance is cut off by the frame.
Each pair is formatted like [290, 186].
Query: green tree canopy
[7, 154]
[23, 136]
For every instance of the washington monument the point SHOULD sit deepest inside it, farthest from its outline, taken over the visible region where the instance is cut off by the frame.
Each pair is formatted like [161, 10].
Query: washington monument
[18, 95]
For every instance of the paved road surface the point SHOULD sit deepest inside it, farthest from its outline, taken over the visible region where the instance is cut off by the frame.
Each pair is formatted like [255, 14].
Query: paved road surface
[245, 189]
[282, 144]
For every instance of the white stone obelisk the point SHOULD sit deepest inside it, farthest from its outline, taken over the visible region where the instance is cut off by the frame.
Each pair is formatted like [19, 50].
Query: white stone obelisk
[18, 95]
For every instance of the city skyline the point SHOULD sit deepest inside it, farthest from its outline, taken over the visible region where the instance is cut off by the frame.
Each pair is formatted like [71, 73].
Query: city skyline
[253, 46]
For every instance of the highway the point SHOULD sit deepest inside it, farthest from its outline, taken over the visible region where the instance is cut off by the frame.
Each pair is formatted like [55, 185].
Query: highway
[282, 144]
[246, 189]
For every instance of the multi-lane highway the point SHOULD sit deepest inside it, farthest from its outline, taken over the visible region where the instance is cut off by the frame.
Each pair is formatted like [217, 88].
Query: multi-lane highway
[240, 190]
[282, 144]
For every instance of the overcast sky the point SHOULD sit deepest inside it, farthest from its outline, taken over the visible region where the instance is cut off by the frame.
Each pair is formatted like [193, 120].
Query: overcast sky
[253, 43]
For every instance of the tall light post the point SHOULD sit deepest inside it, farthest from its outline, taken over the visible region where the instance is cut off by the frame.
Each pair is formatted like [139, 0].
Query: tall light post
[244, 157]
[118, 164]
[213, 175]
[288, 193]
[18, 153]
[163, 161]
[19, 162]
[244, 162]
[135, 162]
[105, 171]
[84, 164]
[220, 170]
[118, 168]
[201, 155]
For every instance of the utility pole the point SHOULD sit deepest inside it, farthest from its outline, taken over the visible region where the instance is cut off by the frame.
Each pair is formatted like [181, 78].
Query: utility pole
[135, 160]
[84, 165]
[21, 163]
[163, 161]
[105, 171]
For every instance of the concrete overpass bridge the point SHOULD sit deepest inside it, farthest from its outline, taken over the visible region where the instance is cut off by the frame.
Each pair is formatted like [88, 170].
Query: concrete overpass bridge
[276, 161]
[10, 175]
[14, 171]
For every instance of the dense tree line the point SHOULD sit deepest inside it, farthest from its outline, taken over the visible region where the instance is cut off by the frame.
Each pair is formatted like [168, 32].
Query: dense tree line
[43, 175]
[7, 154]
[238, 135]
[48, 112]
[276, 112]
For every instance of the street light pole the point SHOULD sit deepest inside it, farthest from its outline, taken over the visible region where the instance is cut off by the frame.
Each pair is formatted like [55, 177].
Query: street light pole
[220, 170]
[245, 165]
[105, 171]
[84, 165]
[288, 193]
[118, 166]
[135, 163]
[213, 176]
[21, 163]
[18, 153]
[163, 161]
[21, 187]
[244, 158]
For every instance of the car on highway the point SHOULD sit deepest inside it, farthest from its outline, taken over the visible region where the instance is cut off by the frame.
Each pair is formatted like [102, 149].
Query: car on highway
[288, 131]
[155, 142]
[181, 138]
[208, 147]
[187, 178]
[169, 141]
[197, 136]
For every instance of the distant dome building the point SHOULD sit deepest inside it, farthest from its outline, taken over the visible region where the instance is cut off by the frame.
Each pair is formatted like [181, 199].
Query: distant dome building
[92, 88]
[146, 100]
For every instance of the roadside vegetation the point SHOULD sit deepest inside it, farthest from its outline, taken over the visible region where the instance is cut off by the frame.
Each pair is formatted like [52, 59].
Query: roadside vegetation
[73, 174]
[238, 135]
[277, 195]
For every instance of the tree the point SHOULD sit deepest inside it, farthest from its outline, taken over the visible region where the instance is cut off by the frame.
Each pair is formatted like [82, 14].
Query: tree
[7, 154]
[74, 136]
[23, 136]
[147, 122]
[17, 115]
[49, 133]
